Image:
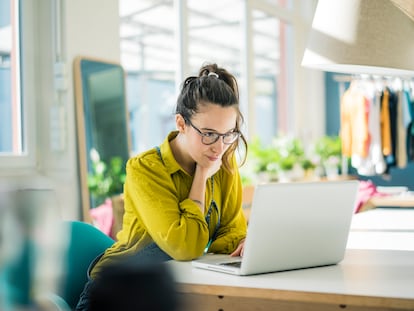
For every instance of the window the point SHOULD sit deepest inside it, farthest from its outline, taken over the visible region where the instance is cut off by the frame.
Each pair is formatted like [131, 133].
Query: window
[246, 37]
[11, 139]
[272, 68]
[14, 114]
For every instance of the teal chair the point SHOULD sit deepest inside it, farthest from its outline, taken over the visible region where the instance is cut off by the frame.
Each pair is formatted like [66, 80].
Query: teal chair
[86, 242]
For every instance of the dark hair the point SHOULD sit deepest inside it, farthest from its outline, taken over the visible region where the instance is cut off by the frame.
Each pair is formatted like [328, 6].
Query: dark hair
[214, 85]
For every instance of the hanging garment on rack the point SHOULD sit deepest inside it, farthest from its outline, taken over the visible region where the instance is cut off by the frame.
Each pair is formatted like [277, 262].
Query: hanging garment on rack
[407, 108]
[385, 124]
[354, 132]
[410, 141]
[410, 126]
[401, 143]
[374, 163]
[391, 159]
[375, 150]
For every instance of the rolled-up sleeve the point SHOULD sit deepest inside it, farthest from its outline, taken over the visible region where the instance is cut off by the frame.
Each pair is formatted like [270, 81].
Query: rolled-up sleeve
[233, 224]
[177, 226]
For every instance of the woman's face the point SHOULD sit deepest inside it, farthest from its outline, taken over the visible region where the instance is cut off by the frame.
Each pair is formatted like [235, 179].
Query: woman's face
[210, 118]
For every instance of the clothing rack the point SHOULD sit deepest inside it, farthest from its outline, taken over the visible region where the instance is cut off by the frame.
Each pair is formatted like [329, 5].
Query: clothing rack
[365, 77]
[371, 88]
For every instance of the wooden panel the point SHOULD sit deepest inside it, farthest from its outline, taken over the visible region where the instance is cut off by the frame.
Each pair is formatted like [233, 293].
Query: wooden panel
[202, 302]
[222, 298]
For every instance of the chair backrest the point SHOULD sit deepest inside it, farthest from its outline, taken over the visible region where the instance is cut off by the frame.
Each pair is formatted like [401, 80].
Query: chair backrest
[86, 242]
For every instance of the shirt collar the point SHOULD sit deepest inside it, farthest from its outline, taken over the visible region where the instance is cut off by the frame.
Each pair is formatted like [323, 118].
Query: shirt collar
[167, 156]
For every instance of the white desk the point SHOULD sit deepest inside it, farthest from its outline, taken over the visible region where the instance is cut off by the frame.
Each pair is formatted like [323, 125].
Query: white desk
[379, 279]
[367, 279]
[383, 228]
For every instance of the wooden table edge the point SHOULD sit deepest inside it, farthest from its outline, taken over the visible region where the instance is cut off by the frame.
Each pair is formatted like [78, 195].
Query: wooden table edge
[341, 300]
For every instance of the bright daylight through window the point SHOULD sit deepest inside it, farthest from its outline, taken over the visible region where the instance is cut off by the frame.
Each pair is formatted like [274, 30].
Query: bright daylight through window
[11, 128]
[247, 37]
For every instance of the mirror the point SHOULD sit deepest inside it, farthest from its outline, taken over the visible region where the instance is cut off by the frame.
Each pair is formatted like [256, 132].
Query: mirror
[102, 123]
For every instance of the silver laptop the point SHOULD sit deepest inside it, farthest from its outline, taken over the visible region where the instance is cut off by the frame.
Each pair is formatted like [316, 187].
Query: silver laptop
[292, 226]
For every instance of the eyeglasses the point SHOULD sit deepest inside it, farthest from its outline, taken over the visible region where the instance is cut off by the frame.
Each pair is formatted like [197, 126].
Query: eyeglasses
[209, 138]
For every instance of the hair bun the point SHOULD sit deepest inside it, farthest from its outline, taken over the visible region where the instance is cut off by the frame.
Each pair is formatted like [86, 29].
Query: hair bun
[213, 74]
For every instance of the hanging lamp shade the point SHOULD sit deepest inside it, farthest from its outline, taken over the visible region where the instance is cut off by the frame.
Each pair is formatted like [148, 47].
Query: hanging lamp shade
[362, 36]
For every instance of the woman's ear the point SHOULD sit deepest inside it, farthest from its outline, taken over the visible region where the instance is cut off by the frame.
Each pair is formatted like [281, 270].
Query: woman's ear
[180, 123]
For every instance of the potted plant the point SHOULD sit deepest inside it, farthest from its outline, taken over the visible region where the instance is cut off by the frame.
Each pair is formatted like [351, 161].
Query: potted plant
[290, 156]
[309, 165]
[261, 161]
[329, 149]
[105, 179]
[279, 161]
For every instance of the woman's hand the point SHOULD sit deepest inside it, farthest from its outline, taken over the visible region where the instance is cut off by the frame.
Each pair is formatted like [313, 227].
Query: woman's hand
[239, 250]
[198, 188]
[208, 171]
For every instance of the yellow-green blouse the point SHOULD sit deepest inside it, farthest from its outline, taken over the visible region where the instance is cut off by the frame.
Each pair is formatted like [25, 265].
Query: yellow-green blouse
[157, 209]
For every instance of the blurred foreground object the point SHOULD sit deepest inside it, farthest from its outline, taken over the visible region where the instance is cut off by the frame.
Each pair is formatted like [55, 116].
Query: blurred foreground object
[131, 285]
[32, 246]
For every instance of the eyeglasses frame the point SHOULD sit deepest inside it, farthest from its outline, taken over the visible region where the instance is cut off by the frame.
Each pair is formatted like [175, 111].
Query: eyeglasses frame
[203, 135]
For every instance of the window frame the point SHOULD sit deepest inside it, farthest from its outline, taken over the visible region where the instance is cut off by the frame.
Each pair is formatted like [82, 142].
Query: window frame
[27, 45]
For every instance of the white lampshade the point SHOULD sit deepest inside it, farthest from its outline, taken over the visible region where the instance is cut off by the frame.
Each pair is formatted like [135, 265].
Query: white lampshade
[362, 36]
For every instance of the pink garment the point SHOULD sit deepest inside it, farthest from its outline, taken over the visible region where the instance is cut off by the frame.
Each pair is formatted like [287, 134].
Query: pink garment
[366, 190]
[103, 217]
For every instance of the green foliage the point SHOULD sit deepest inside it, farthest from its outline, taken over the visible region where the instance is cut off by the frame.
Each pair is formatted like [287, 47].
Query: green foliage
[105, 180]
[307, 164]
[328, 147]
[281, 155]
[262, 156]
[289, 152]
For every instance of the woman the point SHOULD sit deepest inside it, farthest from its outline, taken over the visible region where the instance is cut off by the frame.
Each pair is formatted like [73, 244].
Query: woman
[184, 197]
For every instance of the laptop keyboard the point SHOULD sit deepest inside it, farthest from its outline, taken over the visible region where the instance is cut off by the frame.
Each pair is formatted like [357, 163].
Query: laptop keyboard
[236, 264]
